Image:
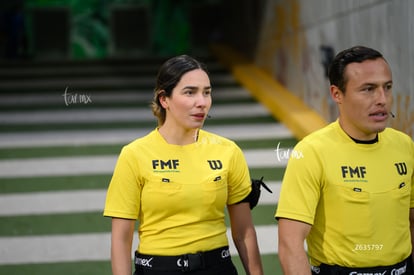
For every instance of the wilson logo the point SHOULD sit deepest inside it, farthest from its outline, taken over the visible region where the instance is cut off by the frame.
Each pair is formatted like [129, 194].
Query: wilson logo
[401, 168]
[215, 164]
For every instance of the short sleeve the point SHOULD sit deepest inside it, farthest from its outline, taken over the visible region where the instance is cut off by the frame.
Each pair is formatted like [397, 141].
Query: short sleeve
[239, 183]
[124, 191]
[301, 185]
[412, 176]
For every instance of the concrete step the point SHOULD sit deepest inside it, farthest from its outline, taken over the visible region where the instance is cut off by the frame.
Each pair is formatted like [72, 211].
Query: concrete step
[57, 99]
[122, 136]
[122, 114]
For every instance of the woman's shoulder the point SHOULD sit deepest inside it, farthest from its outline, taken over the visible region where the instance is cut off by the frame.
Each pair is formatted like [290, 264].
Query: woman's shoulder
[145, 140]
[214, 138]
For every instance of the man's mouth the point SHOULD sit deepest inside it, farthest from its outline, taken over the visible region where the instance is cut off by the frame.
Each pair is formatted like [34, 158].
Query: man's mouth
[379, 115]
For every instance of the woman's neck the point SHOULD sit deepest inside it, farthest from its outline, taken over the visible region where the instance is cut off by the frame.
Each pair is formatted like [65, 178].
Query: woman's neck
[178, 136]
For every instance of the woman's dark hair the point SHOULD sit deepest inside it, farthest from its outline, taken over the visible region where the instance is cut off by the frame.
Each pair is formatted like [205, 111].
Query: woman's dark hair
[168, 76]
[342, 59]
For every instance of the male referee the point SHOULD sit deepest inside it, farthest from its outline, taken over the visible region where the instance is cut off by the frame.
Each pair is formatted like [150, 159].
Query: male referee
[350, 193]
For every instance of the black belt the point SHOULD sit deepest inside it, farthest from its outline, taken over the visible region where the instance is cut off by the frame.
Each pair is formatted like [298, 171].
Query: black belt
[185, 262]
[403, 267]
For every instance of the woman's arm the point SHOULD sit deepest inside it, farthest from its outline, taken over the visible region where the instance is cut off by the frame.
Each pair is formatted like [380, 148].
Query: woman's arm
[121, 246]
[292, 254]
[244, 237]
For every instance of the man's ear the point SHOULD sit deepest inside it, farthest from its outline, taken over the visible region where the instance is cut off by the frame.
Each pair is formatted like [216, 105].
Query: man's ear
[336, 94]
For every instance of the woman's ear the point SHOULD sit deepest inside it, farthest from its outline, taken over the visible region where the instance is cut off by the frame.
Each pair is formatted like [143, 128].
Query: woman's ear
[336, 94]
[162, 98]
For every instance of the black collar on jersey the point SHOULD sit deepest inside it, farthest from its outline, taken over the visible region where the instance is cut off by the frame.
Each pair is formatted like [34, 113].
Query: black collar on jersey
[372, 141]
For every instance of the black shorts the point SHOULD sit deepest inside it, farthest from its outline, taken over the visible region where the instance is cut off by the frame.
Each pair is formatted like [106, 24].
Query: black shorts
[217, 261]
[404, 267]
[227, 268]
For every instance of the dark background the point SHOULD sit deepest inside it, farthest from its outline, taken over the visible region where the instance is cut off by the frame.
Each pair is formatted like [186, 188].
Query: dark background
[98, 29]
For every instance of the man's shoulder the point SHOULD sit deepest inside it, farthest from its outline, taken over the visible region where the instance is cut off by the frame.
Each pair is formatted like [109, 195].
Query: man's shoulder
[393, 131]
[395, 136]
[323, 136]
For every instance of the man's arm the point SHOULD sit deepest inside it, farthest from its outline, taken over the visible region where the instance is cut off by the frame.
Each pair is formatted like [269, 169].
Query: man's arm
[412, 232]
[292, 254]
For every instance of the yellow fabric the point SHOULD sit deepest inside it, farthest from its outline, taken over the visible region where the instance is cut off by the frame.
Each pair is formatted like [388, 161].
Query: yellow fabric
[356, 197]
[178, 193]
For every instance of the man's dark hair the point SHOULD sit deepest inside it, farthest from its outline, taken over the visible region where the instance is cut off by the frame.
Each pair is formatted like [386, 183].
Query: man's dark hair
[342, 59]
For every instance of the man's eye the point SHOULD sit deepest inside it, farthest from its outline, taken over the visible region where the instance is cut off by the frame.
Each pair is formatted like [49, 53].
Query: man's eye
[368, 89]
[388, 87]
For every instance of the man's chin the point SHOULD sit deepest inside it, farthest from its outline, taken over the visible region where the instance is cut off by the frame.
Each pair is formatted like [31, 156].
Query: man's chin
[380, 129]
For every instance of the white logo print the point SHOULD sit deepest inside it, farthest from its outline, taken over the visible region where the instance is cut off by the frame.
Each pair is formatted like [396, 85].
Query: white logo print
[225, 253]
[368, 273]
[399, 271]
[180, 263]
[144, 262]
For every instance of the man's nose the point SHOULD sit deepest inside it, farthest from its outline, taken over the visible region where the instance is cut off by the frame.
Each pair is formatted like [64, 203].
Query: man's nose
[381, 96]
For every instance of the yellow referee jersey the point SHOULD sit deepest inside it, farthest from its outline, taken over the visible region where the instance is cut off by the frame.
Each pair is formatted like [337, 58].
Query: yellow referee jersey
[357, 197]
[178, 193]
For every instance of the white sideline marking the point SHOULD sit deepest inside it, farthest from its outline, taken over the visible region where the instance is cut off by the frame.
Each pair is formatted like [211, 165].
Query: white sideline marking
[44, 203]
[80, 201]
[91, 247]
[90, 165]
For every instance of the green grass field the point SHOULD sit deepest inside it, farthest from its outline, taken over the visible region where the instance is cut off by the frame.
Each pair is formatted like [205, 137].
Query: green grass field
[92, 222]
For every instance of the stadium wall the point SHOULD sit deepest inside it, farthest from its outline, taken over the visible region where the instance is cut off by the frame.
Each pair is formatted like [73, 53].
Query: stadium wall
[298, 38]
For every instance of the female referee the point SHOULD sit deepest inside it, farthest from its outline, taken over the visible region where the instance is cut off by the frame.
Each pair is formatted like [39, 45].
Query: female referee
[177, 181]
